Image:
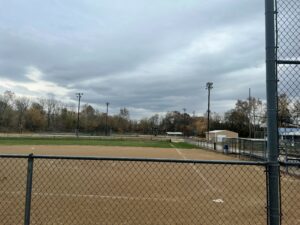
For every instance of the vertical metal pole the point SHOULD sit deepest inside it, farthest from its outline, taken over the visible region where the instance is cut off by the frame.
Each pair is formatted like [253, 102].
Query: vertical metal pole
[208, 114]
[209, 86]
[184, 122]
[267, 193]
[79, 95]
[252, 150]
[271, 80]
[28, 190]
[242, 147]
[106, 131]
[250, 110]
[286, 160]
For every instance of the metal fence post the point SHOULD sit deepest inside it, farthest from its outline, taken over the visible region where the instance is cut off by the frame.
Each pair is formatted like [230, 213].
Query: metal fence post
[28, 190]
[242, 146]
[286, 160]
[252, 150]
[267, 192]
[239, 146]
[271, 80]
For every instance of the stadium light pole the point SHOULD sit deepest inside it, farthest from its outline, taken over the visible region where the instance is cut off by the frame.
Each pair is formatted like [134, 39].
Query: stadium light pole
[106, 131]
[78, 95]
[209, 86]
[249, 114]
[184, 121]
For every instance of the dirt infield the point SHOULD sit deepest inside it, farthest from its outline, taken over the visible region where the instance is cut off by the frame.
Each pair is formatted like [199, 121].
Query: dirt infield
[88, 192]
[108, 151]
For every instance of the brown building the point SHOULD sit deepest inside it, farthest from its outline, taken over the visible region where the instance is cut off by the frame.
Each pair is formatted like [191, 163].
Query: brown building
[218, 135]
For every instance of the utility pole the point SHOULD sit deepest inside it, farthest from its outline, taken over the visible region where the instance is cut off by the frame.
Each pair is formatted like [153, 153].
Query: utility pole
[106, 131]
[209, 86]
[249, 114]
[254, 105]
[78, 95]
[184, 121]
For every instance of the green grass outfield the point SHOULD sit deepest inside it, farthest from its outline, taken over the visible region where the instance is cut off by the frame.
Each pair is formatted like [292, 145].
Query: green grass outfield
[89, 141]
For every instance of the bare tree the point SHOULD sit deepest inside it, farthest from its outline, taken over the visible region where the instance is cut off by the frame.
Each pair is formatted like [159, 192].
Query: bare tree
[21, 104]
[296, 113]
[284, 110]
[49, 104]
[6, 110]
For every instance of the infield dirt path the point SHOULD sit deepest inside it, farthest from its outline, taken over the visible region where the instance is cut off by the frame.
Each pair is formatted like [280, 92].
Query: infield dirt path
[92, 192]
[109, 151]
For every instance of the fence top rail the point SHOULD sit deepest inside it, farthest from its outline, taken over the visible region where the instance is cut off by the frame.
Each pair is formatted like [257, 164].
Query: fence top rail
[162, 160]
[290, 163]
[252, 139]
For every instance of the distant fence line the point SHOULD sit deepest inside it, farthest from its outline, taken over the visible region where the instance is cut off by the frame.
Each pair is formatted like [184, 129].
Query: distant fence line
[87, 136]
[253, 148]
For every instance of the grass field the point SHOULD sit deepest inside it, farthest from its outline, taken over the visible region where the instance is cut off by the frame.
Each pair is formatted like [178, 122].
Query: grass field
[90, 141]
[89, 192]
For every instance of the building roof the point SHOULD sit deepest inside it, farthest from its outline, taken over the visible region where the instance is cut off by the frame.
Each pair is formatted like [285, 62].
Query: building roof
[174, 133]
[219, 131]
[216, 131]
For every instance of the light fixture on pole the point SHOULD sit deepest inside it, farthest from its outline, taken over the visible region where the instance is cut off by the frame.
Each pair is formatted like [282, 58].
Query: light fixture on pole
[106, 130]
[78, 95]
[184, 121]
[209, 86]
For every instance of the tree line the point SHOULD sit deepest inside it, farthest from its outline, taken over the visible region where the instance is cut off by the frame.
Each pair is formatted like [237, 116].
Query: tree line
[21, 114]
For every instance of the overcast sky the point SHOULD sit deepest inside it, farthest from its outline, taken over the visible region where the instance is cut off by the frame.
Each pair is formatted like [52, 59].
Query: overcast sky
[150, 56]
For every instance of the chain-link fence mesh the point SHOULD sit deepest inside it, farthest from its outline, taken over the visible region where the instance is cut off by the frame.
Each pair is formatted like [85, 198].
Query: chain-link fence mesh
[250, 148]
[103, 191]
[288, 72]
[290, 193]
[116, 192]
[67, 191]
[12, 190]
[288, 21]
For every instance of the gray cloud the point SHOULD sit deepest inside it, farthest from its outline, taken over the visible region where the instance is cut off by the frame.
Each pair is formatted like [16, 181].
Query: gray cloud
[149, 56]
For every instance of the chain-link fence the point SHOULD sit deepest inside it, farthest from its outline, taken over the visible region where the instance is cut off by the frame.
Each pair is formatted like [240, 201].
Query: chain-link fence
[290, 192]
[74, 190]
[12, 190]
[250, 148]
[131, 191]
[85, 190]
[288, 72]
